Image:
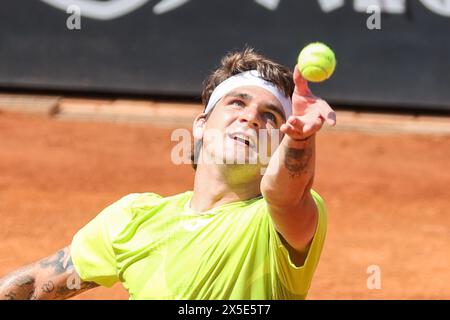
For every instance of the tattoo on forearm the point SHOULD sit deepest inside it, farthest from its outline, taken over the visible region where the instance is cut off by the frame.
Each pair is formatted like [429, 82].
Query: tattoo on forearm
[296, 161]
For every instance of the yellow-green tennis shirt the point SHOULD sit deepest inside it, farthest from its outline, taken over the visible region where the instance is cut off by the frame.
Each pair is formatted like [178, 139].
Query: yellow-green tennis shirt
[159, 248]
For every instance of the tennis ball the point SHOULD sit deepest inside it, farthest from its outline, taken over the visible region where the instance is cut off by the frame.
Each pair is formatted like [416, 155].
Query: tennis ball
[316, 62]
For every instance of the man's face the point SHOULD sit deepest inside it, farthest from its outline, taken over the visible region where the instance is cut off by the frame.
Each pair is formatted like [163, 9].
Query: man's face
[242, 127]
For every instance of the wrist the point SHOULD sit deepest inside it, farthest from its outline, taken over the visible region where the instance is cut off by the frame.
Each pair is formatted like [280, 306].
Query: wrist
[292, 142]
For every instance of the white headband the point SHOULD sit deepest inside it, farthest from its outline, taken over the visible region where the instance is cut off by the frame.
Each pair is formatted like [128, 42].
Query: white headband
[248, 78]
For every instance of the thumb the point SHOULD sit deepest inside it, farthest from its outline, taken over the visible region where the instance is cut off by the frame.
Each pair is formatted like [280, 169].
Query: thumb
[301, 84]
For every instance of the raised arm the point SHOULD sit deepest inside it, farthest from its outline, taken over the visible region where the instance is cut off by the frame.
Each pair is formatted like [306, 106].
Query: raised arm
[287, 184]
[52, 278]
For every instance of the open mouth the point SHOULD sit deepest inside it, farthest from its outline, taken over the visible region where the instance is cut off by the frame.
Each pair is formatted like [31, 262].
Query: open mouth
[243, 139]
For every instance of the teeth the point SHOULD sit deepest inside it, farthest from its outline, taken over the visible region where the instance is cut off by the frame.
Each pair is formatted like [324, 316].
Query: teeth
[243, 138]
[245, 141]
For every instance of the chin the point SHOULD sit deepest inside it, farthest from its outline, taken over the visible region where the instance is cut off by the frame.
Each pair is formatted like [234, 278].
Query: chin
[239, 158]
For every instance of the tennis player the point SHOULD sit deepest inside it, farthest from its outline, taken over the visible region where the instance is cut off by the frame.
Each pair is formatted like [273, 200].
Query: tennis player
[247, 230]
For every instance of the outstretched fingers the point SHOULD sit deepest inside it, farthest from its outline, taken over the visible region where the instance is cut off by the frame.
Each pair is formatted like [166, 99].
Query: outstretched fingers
[299, 127]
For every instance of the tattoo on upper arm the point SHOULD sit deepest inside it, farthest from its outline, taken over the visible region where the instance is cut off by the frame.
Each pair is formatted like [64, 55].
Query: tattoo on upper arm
[296, 161]
[32, 295]
[57, 278]
[24, 281]
[11, 295]
[48, 287]
[17, 285]
[59, 261]
[67, 291]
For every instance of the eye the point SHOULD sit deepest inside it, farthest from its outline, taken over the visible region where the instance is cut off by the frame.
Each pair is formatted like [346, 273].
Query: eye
[238, 103]
[270, 116]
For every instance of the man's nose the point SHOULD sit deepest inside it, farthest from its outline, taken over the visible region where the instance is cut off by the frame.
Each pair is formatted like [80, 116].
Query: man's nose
[251, 116]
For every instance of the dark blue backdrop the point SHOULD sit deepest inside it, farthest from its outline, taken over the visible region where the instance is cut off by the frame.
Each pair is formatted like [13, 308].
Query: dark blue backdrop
[405, 63]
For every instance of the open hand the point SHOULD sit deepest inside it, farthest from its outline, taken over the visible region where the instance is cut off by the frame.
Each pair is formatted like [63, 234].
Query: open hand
[309, 112]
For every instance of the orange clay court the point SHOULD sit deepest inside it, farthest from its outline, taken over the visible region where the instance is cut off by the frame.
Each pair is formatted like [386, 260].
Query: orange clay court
[387, 195]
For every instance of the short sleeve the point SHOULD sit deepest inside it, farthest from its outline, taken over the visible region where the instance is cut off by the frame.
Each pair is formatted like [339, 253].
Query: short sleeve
[91, 249]
[297, 279]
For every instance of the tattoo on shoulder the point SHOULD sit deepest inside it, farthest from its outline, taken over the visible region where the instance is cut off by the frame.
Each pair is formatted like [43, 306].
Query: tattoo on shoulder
[296, 161]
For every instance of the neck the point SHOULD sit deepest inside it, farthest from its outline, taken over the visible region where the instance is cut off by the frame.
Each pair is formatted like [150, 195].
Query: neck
[216, 185]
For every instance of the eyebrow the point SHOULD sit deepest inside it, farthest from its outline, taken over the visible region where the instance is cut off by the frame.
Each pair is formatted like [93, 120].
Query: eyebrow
[248, 97]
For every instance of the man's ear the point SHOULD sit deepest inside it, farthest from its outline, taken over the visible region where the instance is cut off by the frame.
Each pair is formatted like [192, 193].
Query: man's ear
[198, 127]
